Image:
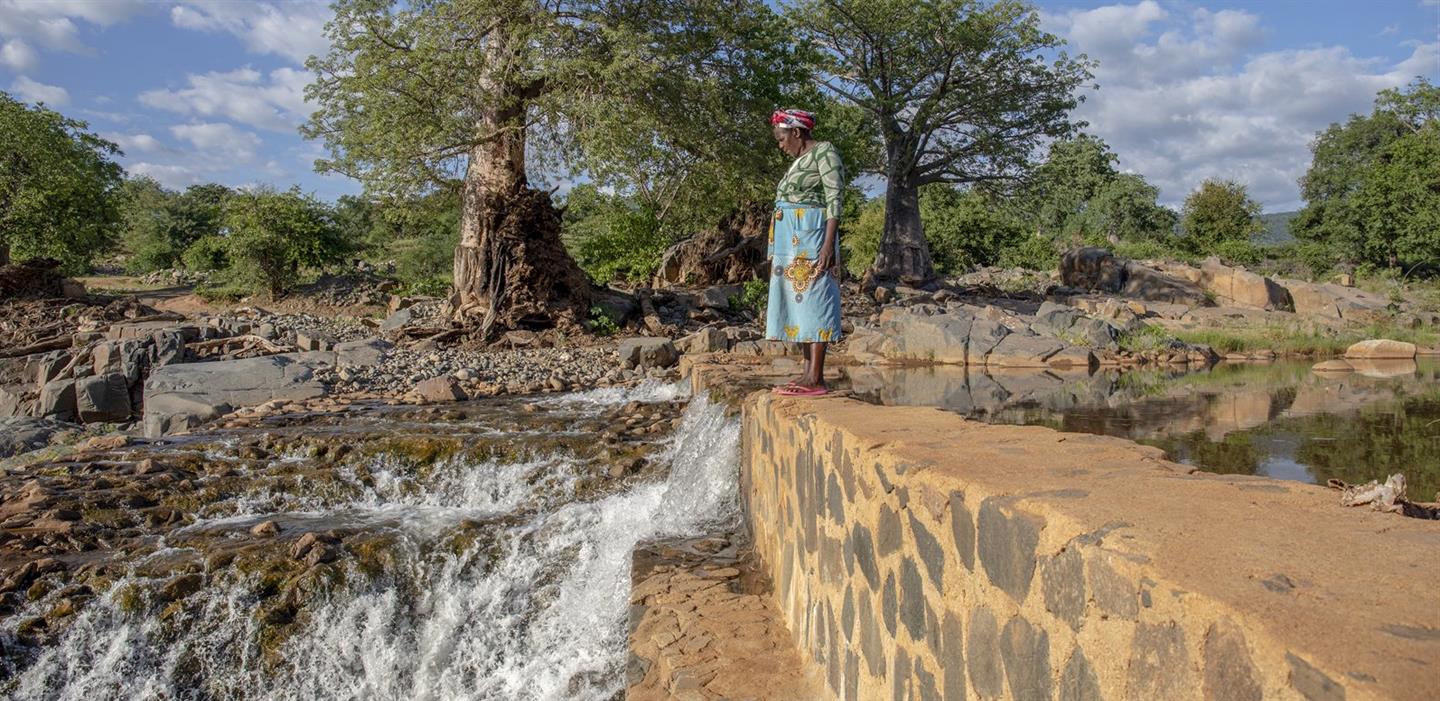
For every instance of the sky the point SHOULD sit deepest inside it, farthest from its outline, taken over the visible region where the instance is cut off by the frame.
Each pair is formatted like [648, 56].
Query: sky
[213, 90]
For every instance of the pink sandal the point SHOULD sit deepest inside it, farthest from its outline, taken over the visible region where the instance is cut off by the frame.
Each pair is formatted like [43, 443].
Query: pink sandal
[799, 391]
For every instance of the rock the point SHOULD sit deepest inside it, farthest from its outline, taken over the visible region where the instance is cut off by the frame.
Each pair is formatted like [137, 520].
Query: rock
[180, 397]
[103, 398]
[98, 443]
[1336, 365]
[1237, 287]
[1072, 357]
[265, 529]
[21, 434]
[57, 400]
[398, 320]
[1019, 351]
[916, 334]
[718, 297]
[439, 389]
[706, 340]
[180, 587]
[617, 305]
[362, 353]
[985, 335]
[1381, 349]
[648, 352]
[310, 341]
[1142, 282]
[1332, 301]
[1092, 269]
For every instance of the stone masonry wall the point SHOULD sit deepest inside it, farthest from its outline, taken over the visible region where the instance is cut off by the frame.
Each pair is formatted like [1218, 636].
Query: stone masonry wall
[917, 555]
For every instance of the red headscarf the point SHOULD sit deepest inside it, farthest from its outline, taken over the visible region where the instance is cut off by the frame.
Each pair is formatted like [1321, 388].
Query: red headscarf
[793, 119]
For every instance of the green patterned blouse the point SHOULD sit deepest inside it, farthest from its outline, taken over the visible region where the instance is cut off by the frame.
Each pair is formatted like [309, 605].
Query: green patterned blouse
[816, 177]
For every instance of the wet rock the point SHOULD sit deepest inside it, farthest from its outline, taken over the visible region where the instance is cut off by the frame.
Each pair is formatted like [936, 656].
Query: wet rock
[265, 529]
[439, 389]
[648, 352]
[180, 587]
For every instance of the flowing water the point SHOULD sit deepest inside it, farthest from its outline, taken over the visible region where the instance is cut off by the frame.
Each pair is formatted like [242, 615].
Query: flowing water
[530, 601]
[1278, 419]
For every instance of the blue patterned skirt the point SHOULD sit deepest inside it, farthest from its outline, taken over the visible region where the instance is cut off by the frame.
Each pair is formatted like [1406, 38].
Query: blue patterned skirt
[804, 304]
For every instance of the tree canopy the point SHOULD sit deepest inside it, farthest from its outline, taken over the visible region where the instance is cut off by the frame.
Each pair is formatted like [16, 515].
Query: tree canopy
[1219, 211]
[58, 186]
[1078, 196]
[958, 91]
[1373, 188]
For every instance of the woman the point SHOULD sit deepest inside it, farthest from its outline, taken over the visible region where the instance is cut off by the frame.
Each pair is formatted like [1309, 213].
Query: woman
[805, 249]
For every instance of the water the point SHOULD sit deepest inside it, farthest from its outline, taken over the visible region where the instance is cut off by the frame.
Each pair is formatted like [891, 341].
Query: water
[1278, 419]
[530, 603]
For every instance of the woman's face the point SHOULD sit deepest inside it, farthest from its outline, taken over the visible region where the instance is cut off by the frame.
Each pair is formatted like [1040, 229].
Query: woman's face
[788, 140]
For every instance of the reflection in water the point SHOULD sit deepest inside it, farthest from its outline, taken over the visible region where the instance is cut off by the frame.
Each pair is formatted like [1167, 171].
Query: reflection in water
[1278, 419]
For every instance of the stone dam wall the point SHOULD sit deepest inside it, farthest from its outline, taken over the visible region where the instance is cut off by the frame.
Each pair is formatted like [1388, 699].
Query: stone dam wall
[913, 554]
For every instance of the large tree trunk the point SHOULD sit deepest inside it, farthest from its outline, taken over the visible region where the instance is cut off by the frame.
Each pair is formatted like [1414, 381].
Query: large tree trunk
[904, 255]
[511, 269]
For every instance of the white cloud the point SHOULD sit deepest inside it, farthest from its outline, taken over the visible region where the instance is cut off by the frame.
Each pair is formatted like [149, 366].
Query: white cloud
[17, 56]
[34, 91]
[293, 29]
[135, 144]
[173, 176]
[219, 140]
[275, 102]
[1184, 98]
[53, 23]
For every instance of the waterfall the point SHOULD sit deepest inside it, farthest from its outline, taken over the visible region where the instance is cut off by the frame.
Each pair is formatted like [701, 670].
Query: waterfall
[535, 609]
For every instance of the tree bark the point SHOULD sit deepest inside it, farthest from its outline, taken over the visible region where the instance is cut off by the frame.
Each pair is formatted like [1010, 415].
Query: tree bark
[511, 269]
[904, 255]
[4, 252]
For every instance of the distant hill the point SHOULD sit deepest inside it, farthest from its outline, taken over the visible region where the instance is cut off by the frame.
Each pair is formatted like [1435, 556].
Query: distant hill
[1277, 229]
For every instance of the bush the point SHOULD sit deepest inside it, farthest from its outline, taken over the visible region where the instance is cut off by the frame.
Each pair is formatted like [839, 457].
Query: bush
[621, 244]
[602, 323]
[1149, 249]
[273, 235]
[1031, 252]
[1239, 252]
[755, 296]
[208, 253]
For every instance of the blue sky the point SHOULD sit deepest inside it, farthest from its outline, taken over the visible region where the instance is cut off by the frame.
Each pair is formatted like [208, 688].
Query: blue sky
[212, 90]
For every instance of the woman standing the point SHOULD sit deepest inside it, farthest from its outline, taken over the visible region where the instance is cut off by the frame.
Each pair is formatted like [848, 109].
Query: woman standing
[805, 249]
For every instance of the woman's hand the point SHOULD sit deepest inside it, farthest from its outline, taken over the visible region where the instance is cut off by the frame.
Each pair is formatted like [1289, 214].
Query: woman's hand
[825, 259]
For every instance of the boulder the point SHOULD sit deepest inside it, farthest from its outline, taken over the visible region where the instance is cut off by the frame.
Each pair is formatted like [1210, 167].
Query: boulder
[398, 320]
[1142, 282]
[985, 335]
[927, 334]
[103, 398]
[619, 306]
[20, 434]
[1021, 351]
[718, 297]
[1334, 301]
[1071, 357]
[180, 397]
[57, 400]
[361, 353]
[1381, 349]
[1092, 269]
[648, 352]
[1071, 326]
[442, 388]
[1237, 287]
[706, 340]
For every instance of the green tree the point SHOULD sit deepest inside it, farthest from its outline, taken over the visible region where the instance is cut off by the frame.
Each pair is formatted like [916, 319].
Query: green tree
[1077, 196]
[966, 228]
[58, 186]
[159, 225]
[271, 236]
[415, 96]
[1217, 212]
[1370, 193]
[958, 91]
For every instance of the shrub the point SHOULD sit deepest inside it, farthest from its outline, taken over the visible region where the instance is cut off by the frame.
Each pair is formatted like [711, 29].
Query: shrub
[601, 322]
[273, 235]
[1031, 252]
[621, 244]
[755, 296]
[1239, 252]
[208, 253]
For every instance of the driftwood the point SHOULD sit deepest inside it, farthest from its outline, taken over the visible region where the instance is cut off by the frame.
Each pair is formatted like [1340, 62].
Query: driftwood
[59, 343]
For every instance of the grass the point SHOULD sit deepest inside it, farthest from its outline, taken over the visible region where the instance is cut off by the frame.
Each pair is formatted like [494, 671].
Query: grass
[1284, 340]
